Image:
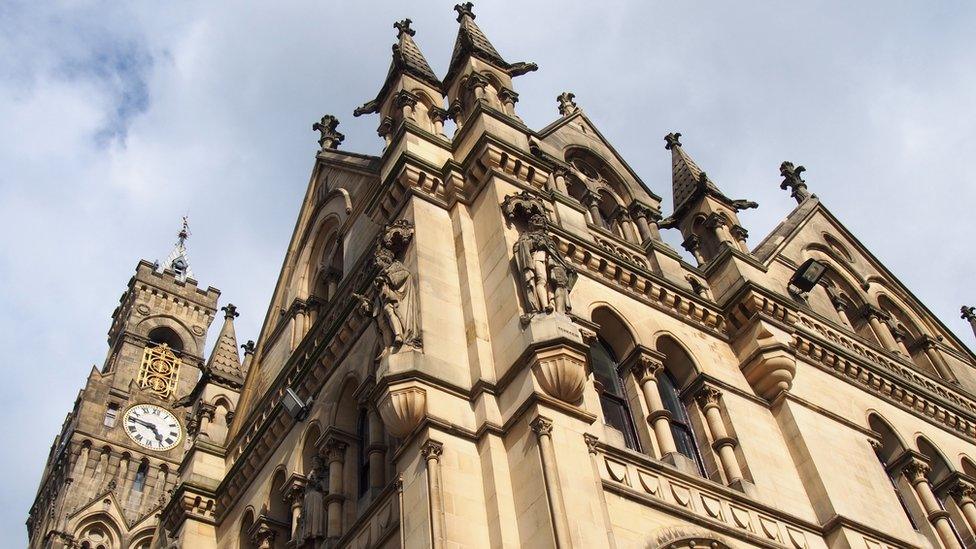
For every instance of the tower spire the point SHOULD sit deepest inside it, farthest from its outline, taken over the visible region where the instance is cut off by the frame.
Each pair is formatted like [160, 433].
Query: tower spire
[178, 260]
[225, 362]
[407, 60]
[472, 41]
[688, 181]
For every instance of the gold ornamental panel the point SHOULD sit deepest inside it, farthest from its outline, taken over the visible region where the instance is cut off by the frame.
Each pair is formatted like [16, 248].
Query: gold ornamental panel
[160, 371]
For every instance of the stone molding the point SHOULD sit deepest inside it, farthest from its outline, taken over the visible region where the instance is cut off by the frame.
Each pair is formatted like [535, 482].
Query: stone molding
[402, 409]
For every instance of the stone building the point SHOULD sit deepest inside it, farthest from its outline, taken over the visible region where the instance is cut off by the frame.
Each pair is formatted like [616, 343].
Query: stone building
[479, 339]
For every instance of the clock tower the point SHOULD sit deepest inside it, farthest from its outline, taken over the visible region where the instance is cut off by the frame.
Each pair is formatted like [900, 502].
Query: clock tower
[116, 458]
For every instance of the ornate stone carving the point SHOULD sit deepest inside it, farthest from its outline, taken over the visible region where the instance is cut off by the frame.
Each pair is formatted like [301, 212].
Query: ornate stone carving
[329, 138]
[312, 521]
[771, 367]
[394, 301]
[432, 449]
[968, 313]
[672, 140]
[402, 410]
[916, 470]
[541, 426]
[545, 276]
[592, 443]
[793, 181]
[708, 396]
[566, 104]
[561, 372]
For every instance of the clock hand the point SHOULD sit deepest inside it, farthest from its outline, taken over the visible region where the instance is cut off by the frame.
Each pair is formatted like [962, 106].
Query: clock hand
[150, 425]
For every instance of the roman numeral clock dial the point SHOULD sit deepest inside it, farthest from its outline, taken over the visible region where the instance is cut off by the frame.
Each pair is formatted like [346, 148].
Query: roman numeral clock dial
[152, 427]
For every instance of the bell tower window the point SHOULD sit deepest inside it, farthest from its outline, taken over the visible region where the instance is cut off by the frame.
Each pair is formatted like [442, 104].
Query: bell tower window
[160, 369]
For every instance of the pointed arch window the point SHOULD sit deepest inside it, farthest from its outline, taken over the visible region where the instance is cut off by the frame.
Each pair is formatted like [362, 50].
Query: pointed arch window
[681, 430]
[613, 401]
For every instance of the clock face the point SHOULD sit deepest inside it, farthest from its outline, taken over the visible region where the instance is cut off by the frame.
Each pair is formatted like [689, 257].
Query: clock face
[152, 427]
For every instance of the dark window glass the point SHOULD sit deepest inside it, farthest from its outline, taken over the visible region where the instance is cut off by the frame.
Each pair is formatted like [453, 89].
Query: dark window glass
[684, 437]
[616, 411]
[362, 431]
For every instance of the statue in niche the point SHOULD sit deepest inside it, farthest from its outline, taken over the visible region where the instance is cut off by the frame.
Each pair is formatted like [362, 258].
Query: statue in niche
[312, 522]
[545, 276]
[394, 300]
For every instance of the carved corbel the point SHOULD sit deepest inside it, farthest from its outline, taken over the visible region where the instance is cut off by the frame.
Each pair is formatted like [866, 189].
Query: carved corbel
[402, 409]
[560, 371]
[771, 365]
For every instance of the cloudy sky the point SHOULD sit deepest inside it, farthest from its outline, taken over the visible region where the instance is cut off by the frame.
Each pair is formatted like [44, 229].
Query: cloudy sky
[118, 118]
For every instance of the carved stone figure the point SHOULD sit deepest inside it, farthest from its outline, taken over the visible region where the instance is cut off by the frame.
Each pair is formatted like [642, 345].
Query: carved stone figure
[394, 300]
[545, 276]
[312, 521]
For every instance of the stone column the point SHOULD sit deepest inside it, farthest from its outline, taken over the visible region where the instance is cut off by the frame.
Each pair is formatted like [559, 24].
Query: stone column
[508, 99]
[708, 398]
[877, 319]
[376, 450]
[591, 200]
[431, 452]
[205, 414]
[640, 214]
[646, 369]
[335, 455]
[840, 305]
[559, 180]
[693, 245]
[123, 472]
[542, 427]
[931, 347]
[293, 497]
[740, 234]
[718, 224]
[301, 322]
[964, 492]
[917, 472]
[900, 337]
[622, 217]
[969, 315]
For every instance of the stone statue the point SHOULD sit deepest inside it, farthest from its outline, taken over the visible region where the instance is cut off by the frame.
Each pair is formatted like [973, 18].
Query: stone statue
[312, 521]
[545, 276]
[394, 301]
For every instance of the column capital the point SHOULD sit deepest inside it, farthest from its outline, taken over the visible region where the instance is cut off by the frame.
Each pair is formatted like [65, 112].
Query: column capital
[692, 243]
[916, 469]
[645, 364]
[542, 426]
[963, 488]
[708, 396]
[334, 450]
[739, 232]
[873, 311]
[591, 443]
[432, 449]
[715, 220]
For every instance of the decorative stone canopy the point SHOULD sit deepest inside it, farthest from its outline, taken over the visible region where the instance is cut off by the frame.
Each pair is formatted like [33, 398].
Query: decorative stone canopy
[472, 41]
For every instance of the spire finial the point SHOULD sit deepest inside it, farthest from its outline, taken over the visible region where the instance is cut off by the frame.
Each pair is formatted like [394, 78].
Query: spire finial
[672, 140]
[566, 104]
[403, 26]
[230, 311]
[464, 9]
[793, 181]
[329, 138]
[184, 231]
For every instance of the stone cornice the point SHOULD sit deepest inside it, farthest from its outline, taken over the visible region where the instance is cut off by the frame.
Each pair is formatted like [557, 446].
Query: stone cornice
[901, 385]
[639, 283]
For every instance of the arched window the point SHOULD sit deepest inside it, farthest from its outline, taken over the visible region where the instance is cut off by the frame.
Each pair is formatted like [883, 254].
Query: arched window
[111, 414]
[244, 539]
[613, 401]
[164, 335]
[362, 431]
[684, 436]
[888, 450]
[139, 484]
